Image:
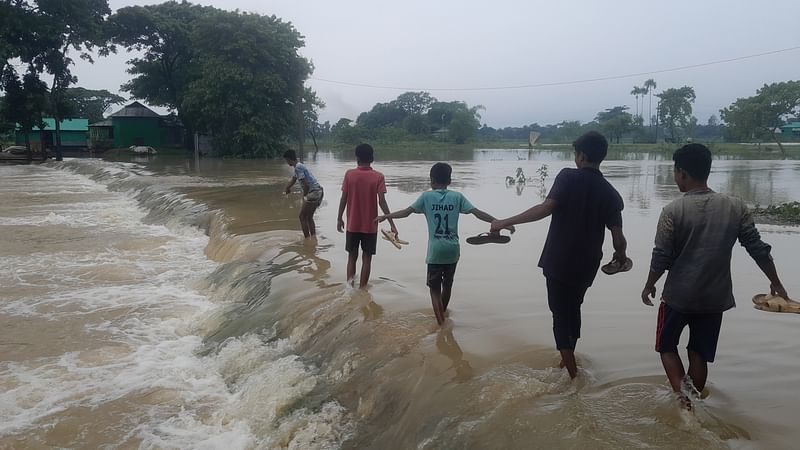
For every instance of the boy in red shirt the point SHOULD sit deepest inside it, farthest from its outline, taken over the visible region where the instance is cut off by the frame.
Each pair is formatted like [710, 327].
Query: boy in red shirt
[363, 189]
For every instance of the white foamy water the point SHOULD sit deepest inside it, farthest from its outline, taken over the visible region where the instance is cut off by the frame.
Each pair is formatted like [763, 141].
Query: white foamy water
[109, 324]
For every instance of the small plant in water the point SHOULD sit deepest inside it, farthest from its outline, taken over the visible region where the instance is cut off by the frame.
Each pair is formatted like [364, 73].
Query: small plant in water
[542, 173]
[781, 212]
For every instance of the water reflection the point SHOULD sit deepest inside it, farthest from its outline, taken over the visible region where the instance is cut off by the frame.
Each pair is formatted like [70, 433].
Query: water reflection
[447, 346]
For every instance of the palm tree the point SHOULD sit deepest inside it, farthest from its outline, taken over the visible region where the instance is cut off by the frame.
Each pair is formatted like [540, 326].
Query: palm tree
[650, 86]
[635, 92]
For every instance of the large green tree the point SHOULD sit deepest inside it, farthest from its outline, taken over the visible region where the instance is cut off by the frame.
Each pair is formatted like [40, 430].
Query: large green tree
[44, 35]
[90, 104]
[615, 121]
[675, 109]
[236, 76]
[249, 85]
[759, 116]
[24, 102]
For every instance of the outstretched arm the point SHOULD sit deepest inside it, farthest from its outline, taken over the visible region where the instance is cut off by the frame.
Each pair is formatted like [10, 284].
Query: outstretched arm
[395, 215]
[486, 217]
[533, 214]
[291, 183]
[339, 220]
[385, 208]
[760, 251]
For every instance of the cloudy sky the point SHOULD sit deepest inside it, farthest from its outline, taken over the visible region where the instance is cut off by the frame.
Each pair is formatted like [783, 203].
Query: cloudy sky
[457, 49]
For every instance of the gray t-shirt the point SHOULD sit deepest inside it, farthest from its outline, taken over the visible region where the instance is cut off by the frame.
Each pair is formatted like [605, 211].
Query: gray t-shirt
[694, 242]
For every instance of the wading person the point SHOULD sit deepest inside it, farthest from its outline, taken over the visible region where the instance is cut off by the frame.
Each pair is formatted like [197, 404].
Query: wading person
[312, 193]
[583, 204]
[694, 241]
[442, 208]
[363, 190]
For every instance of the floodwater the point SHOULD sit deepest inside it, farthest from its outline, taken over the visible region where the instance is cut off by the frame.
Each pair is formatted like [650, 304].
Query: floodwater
[161, 303]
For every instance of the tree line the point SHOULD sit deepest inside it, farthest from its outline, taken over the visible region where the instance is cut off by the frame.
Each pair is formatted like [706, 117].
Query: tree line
[235, 76]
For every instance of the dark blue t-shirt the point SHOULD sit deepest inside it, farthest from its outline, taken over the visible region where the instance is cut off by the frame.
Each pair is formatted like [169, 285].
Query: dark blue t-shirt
[586, 204]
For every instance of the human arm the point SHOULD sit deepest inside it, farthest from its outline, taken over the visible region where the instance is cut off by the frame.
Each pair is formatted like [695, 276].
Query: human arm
[620, 244]
[395, 215]
[339, 220]
[532, 214]
[385, 208]
[291, 183]
[662, 255]
[486, 217]
[760, 251]
[650, 287]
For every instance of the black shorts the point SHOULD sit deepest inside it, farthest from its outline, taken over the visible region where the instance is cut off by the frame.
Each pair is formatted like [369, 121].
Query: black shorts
[565, 300]
[368, 242]
[703, 331]
[440, 275]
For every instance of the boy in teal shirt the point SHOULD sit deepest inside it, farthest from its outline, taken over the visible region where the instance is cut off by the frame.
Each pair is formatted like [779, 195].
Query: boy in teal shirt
[441, 208]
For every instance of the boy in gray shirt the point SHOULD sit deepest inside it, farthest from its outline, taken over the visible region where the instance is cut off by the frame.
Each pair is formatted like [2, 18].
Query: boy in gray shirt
[694, 242]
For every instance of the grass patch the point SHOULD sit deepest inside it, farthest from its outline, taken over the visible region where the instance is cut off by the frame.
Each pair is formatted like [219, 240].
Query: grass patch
[782, 213]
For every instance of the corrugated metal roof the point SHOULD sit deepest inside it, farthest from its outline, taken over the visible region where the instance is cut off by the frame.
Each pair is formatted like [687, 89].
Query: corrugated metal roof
[135, 109]
[792, 125]
[66, 125]
[102, 123]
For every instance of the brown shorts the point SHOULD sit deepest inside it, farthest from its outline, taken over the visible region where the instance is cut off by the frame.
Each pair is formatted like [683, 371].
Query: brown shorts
[314, 197]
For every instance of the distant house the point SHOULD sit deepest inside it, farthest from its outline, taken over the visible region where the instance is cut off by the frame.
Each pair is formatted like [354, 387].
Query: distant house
[74, 134]
[791, 130]
[136, 124]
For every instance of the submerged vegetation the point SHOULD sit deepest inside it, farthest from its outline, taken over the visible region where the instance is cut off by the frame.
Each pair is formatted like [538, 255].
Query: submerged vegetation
[782, 213]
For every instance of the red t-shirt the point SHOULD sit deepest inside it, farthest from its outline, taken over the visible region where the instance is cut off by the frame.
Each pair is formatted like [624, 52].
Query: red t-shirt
[362, 186]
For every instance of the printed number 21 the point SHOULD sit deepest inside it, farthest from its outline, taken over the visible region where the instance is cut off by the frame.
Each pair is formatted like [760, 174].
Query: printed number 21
[438, 218]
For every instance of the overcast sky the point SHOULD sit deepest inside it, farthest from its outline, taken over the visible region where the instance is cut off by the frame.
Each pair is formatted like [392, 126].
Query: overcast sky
[429, 45]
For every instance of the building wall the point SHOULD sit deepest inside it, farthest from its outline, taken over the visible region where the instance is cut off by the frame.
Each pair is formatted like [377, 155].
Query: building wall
[136, 131]
[68, 138]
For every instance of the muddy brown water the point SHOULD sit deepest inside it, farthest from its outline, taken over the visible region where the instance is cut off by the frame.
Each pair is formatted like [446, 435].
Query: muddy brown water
[164, 303]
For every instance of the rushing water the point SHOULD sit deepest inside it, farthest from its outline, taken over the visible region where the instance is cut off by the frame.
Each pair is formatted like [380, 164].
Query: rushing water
[173, 304]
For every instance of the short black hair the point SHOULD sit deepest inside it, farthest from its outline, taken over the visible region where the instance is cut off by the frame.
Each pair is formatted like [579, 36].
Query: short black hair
[592, 144]
[290, 155]
[694, 159]
[365, 153]
[441, 172]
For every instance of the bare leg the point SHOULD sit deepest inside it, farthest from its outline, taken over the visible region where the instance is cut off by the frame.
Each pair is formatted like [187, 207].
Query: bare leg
[568, 361]
[438, 308]
[312, 226]
[352, 259]
[675, 373]
[698, 370]
[366, 268]
[446, 291]
[303, 221]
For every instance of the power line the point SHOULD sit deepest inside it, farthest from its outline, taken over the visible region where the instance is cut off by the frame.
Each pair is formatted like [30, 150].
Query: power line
[562, 83]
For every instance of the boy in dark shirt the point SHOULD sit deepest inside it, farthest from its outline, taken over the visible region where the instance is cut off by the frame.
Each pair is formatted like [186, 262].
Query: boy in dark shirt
[583, 204]
[694, 242]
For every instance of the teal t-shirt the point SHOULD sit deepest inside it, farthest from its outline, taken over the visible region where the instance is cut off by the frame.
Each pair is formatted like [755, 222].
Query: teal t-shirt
[441, 208]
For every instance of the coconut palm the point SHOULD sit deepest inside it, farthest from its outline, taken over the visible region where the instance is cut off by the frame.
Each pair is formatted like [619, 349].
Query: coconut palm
[650, 86]
[635, 92]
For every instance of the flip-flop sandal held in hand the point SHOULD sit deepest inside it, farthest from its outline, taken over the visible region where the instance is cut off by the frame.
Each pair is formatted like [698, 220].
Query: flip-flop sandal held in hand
[488, 238]
[617, 267]
[391, 237]
[767, 302]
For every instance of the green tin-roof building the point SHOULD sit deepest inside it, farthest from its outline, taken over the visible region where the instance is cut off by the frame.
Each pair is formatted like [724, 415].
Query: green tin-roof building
[791, 130]
[74, 134]
[136, 124]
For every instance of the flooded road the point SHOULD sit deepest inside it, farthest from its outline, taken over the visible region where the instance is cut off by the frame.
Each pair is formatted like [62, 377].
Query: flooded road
[166, 304]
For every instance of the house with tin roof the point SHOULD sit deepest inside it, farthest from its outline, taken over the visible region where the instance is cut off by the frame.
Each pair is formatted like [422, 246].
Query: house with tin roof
[74, 135]
[138, 125]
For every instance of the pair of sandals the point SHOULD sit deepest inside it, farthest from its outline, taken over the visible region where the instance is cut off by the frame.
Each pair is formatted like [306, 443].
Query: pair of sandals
[496, 238]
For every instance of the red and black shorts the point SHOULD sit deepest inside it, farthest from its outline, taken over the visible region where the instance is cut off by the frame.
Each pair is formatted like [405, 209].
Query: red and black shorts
[703, 331]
